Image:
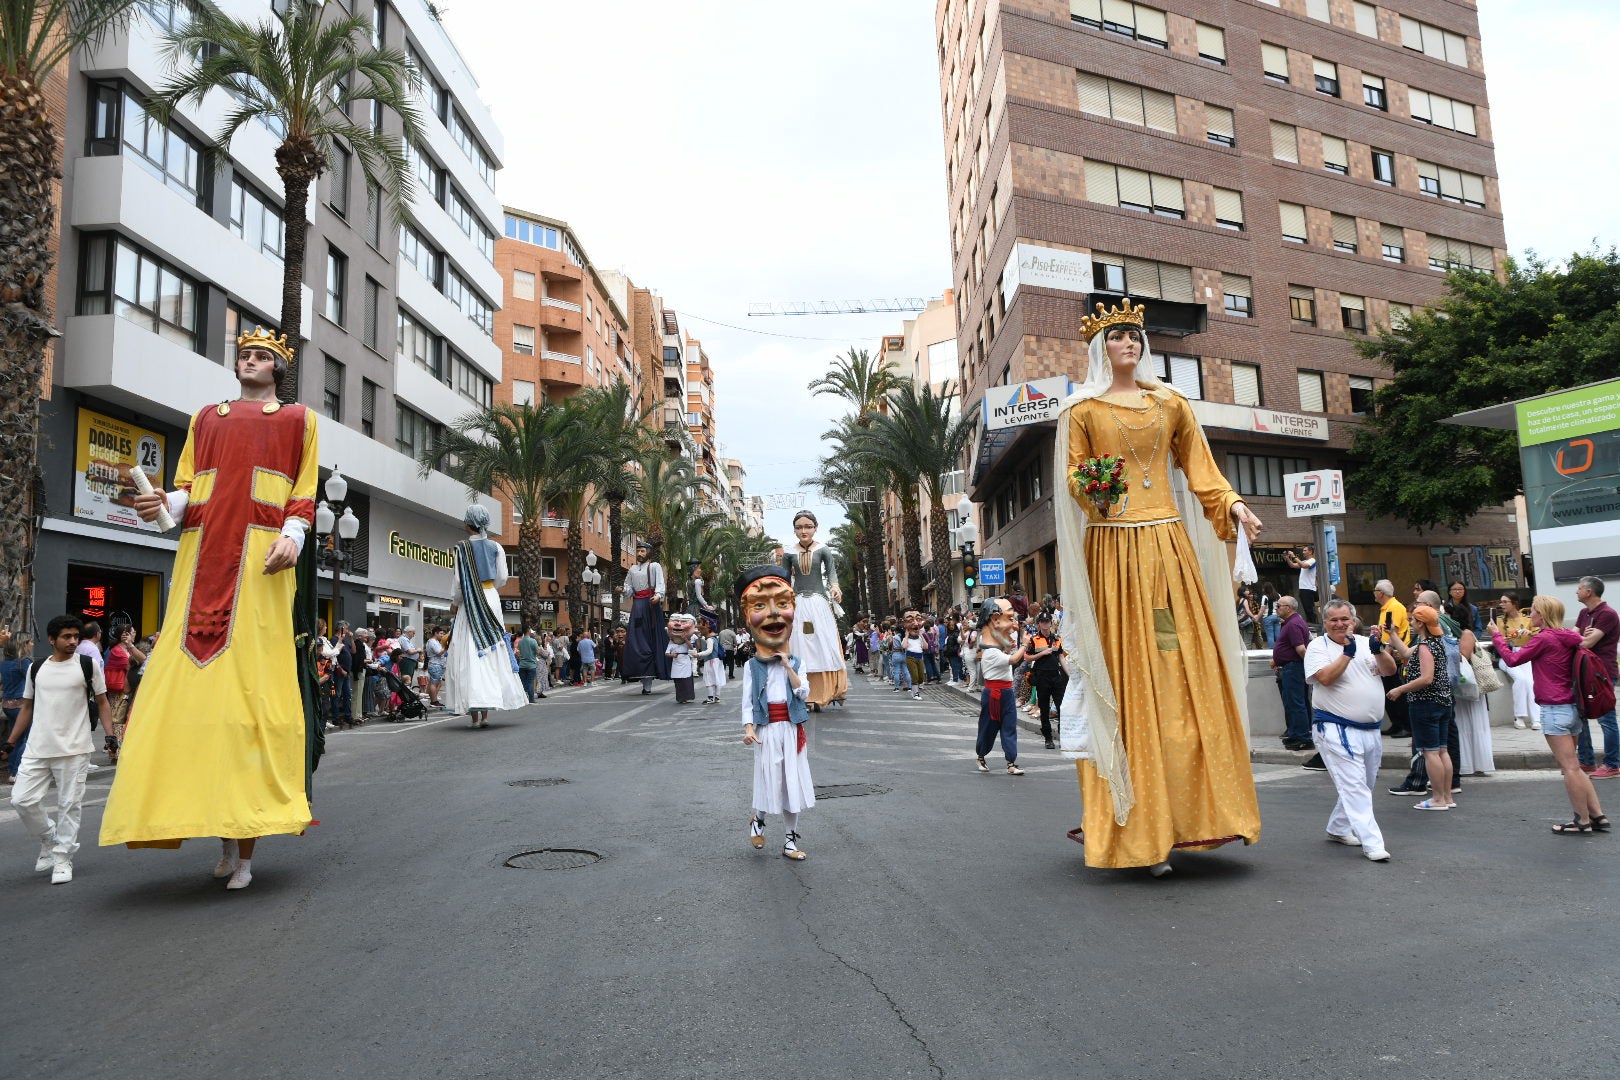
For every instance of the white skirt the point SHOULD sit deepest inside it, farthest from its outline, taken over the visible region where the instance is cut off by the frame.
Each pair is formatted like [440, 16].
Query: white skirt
[820, 650]
[714, 673]
[1474, 736]
[473, 682]
[781, 773]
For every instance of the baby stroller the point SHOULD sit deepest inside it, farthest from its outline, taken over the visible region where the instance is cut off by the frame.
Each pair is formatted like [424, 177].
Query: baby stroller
[403, 704]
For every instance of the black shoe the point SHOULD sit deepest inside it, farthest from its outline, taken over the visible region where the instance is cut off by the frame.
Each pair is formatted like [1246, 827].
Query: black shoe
[1295, 744]
[1402, 789]
[1315, 764]
[1049, 745]
[1393, 734]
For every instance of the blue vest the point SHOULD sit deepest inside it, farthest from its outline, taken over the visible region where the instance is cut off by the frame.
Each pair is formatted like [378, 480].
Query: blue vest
[484, 557]
[798, 712]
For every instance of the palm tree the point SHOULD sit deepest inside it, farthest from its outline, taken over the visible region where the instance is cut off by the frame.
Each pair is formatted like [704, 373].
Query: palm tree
[300, 74]
[921, 439]
[622, 424]
[664, 485]
[528, 454]
[845, 541]
[36, 38]
[864, 384]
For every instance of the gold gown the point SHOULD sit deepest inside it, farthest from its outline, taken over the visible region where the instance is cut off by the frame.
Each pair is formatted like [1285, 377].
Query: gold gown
[1178, 713]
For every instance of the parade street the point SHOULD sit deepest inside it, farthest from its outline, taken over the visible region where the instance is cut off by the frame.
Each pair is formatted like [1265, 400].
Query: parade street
[943, 925]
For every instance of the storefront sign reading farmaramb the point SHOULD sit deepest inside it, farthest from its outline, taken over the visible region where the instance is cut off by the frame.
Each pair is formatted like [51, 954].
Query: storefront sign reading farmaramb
[108, 452]
[422, 553]
[1022, 404]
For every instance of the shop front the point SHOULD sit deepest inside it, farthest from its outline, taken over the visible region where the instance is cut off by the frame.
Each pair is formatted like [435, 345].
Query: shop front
[411, 563]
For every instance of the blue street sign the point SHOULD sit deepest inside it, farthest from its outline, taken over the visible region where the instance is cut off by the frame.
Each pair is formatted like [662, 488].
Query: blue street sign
[992, 571]
[1330, 548]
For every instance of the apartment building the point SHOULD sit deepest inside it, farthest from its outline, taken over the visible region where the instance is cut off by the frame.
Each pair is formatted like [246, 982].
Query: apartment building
[700, 412]
[562, 329]
[169, 250]
[1276, 179]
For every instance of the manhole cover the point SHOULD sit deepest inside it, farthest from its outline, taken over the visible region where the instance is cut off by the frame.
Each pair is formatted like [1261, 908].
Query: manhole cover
[552, 859]
[849, 791]
[541, 781]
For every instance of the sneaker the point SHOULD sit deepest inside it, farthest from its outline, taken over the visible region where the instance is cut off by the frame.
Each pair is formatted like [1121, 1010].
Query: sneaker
[1050, 745]
[982, 767]
[1377, 856]
[1520, 723]
[240, 879]
[1314, 764]
[228, 859]
[62, 873]
[1402, 789]
[46, 860]
[916, 695]
[1535, 725]
[1344, 838]
[1013, 769]
[1589, 769]
[1605, 772]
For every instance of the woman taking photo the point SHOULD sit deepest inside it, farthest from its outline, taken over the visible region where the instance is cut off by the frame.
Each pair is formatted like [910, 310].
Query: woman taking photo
[1248, 617]
[123, 659]
[1517, 627]
[1426, 686]
[1270, 621]
[1551, 648]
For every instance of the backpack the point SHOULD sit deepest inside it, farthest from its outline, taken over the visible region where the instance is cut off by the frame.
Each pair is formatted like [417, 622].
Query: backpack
[1453, 647]
[1594, 690]
[88, 666]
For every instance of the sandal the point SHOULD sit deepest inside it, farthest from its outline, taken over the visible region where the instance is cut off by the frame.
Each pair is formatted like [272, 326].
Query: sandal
[790, 849]
[982, 767]
[1573, 828]
[756, 832]
[1600, 822]
[1013, 769]
[1428, 804]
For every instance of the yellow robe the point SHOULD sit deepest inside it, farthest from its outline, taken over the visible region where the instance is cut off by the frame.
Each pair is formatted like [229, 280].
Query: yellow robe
[1178, 713]
[216, 740]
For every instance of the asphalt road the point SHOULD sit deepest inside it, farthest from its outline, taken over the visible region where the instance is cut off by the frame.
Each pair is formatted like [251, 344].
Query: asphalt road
[943, 926]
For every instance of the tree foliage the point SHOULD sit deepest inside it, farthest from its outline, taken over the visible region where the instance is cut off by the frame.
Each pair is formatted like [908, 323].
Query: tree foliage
[1545, 328]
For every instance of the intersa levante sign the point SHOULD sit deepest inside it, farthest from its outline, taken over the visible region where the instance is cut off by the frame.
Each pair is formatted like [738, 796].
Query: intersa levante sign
[1022, 404]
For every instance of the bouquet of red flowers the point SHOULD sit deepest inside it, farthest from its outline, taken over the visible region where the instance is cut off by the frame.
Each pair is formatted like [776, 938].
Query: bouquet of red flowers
[1102, 480]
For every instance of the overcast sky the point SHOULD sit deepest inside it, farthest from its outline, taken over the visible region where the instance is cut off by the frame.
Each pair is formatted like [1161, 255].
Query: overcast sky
[726, 153]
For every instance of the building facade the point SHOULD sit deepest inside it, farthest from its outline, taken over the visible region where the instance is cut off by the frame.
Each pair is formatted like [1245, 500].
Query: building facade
[170, 249]
[1275, 179]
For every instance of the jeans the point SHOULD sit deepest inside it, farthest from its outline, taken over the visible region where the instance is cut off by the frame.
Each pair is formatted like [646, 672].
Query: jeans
[956, 666]
[1611, 741]
[342, 693]
[1005, 725]
[899, 670]
[1429, 720]
[526, 677]
[1291, 684]
[368, 694]
[930, 667]
[22, 743]
[1270, 625]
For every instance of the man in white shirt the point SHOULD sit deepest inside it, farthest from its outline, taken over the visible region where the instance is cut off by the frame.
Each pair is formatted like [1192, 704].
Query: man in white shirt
[1305, 563]
[59, 746]
[1346, 673]
[998, 708]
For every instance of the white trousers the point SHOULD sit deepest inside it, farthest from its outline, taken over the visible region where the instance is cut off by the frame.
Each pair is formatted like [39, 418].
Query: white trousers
[1354, 778]
[34, 778]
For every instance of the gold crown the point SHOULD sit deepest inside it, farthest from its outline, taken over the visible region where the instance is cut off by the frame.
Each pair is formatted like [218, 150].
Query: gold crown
[1125, 314]
[261, 338]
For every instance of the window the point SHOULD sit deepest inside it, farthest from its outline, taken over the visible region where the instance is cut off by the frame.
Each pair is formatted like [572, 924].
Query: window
[413, 432]
[1353, 312]
[1373, 92]
[1442, 112]
[522, 392]
[118, 119]
[1133, 189]
[413, 342]
[1284, 141]
[1142, 277]
[1318, 9]
[1127, 102]
[523, 339]
[1211, 44]
[1393, 241]
[1311, 397]
[167, 15]
[1429, 178]
[522, 285]
[368, 408]
[374, 215]
[379, 24]
[414, 250]
[461, 134]
[1274, 61]
[1293, 222]
[1452, 185]
[1220, 125]
[1257, 474]
[471, 383]
[1383, 166]
[1335, 155]
[118, 278]
[1108, 276]
[438, 100]
[332, 402]
[373, 314]
[1302, 305]
[1445, 254]
[256, 219]
[1366, 19]
[470, 301]
[1361, 393]
[239, 321]
[1399, 314]
[427, 171]
[337, 272]
[1239, 292]
[1185, 373]
[1229, 208]
[548, 565]
[1245, 384]
[1433, 41]
[1123, 17]
[337, 193]
[1327, 77]
[1344, 233]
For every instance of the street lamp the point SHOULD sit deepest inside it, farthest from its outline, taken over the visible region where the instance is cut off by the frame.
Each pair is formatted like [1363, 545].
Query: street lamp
[590, 577]
[336, 529]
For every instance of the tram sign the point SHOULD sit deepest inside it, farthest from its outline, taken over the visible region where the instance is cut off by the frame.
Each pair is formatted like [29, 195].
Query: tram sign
[992, 571]
[1314, 493]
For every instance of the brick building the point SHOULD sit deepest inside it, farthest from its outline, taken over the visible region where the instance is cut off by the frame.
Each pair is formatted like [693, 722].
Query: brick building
[1274, 178]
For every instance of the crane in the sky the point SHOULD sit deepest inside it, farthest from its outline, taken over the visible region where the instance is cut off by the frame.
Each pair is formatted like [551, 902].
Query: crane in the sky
[839, 307]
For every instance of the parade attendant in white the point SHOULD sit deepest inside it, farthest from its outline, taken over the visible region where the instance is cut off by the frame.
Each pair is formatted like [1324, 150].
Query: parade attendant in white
[479, 671]
[816, 642]
[682, 629]
[1347, 693]
[714, 668]
[773, 710]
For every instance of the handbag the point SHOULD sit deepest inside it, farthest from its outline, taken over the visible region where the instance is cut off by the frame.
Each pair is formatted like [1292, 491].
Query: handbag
[1467, 688]
[1484, 674]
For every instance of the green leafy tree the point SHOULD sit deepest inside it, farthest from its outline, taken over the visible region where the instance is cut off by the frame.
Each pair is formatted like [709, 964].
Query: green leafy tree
[1542, 329]
[303, 74]
[36, 39]
[623, 425]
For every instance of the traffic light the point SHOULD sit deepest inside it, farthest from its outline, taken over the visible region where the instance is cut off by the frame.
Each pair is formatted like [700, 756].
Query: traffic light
[970, 574]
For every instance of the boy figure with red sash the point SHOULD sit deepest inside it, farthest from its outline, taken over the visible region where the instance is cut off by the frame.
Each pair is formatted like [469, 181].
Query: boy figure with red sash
[998, 705]
[773, 707]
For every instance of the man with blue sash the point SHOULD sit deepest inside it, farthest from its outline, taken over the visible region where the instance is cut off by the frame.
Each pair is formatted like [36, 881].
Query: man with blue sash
[1346, 674]
[773, 707]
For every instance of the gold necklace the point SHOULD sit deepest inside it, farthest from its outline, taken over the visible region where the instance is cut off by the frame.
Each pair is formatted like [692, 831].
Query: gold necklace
[1157, 422]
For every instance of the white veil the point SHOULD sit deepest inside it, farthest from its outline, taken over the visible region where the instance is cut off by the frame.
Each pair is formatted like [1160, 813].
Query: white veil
[1090, 698]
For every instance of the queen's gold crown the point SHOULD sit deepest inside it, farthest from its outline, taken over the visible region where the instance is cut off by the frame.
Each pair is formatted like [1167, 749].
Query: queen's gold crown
[1125, 314]
[261, 338]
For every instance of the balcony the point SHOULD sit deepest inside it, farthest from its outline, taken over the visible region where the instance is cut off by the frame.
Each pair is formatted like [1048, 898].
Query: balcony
[560, 269]
[561, 316]
[561, 357]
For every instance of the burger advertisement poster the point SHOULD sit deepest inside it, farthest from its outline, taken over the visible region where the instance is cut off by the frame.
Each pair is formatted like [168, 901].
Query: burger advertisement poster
[108, 450]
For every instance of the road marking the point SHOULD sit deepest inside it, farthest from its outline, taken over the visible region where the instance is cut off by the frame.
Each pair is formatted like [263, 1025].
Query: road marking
[607, 725]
